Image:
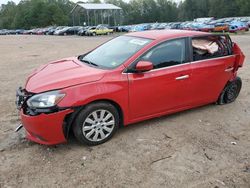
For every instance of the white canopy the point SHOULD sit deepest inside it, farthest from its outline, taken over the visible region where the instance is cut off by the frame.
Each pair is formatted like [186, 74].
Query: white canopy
[95, 12]
[98, 6]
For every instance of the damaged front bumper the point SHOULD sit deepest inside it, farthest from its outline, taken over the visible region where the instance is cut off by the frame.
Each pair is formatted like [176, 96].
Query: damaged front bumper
[21, 97]
[44, 126]
[19, 127]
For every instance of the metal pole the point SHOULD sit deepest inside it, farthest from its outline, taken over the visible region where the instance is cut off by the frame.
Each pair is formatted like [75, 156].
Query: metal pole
[120, 15]
[88, 16]
[95, 16]
[108, 16]
[114, 17]
[79, 15]
[73, 16]
[102, 16]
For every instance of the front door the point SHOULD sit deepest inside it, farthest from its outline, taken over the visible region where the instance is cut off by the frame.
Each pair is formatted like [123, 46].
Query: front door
[166, 87]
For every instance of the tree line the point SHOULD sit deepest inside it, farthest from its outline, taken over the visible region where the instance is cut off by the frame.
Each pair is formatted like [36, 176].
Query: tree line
[41, 13]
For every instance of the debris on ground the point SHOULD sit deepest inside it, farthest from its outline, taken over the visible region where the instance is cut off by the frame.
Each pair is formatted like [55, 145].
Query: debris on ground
[221, 182]
[166, 136]
[247, 169]
[206, 155]
[234, 143]
[161, 159]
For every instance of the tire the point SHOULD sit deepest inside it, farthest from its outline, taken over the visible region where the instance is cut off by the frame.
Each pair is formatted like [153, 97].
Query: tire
[89, 128]
[94, 34]
[230, 92]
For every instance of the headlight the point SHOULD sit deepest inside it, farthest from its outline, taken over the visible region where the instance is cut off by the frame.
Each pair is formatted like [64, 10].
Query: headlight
[45, 100]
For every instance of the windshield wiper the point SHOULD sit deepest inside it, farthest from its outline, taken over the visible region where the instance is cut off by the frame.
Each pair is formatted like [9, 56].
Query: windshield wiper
[89, 62]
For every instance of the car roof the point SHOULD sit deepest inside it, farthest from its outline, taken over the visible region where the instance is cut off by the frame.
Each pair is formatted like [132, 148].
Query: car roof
[166, 34]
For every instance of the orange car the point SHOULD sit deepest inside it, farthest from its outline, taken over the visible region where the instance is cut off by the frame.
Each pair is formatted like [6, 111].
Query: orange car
[221, 28]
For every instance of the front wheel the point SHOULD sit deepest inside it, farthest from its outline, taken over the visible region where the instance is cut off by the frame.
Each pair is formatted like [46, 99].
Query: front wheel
[230, 92]
[96, 123]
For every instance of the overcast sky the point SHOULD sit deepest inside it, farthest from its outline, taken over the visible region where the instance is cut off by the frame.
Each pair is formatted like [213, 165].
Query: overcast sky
[17, 1]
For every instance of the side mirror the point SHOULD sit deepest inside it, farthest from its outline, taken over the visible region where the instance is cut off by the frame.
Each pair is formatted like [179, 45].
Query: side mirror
[143, 66]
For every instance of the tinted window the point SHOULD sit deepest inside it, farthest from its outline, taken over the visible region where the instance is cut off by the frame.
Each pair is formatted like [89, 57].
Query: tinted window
[167, 54]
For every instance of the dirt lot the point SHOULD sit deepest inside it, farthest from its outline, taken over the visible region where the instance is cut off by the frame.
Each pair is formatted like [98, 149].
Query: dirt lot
[189, 149]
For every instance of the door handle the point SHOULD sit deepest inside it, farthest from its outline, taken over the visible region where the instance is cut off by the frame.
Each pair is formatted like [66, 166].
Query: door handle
[182, 77]
[229, 69]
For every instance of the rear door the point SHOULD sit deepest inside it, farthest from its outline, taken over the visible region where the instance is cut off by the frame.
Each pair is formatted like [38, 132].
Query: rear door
[211, 68]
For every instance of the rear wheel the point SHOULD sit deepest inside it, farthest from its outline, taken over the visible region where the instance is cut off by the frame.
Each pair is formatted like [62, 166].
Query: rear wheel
[96, 123]
[94, 34]
[230, 92]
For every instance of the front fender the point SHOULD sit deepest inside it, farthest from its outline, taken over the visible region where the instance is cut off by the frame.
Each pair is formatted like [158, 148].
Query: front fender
[114, 90]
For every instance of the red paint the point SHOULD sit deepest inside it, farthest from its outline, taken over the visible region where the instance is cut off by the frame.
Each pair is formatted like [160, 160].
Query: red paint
[140, 95]
[45, 128]
[61, 74]
[209, 78]
[143, 66]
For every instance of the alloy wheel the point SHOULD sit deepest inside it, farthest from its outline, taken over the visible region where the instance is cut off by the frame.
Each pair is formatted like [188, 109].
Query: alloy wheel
[98, 125]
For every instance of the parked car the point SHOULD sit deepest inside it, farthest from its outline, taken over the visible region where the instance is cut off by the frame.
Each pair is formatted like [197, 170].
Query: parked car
[73, 30]
[128, 79]
[221, 27]
[83, 30]
[43, 31]
[235, 26]
[52, 30]
[61, 31]
[7, 32]
[114, 28]
[19, 31]
[161, 26]
[153, 26]
[124, 28]
[205, 27]
[140, 27]
[175, 25]
[3, 32]
[11, 32]
[99, 30]
[30, 32]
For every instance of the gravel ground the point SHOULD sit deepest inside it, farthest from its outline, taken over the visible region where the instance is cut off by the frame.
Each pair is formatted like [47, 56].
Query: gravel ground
[203, 147]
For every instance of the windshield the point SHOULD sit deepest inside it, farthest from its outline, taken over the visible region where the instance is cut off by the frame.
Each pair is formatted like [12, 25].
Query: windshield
[115, 52]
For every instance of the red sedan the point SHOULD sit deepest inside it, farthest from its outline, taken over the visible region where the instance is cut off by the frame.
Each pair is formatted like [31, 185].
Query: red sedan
[128, 79]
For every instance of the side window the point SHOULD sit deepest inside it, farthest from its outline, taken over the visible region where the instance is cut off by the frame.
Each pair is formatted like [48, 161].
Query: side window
[167, 54]
[211, 47]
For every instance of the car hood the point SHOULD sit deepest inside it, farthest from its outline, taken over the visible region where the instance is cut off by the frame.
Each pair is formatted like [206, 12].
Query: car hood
[61, 74]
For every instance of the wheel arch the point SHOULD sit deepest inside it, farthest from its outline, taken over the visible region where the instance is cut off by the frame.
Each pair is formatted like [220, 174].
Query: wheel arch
[70, 118]
[220, 99]
[115, 104]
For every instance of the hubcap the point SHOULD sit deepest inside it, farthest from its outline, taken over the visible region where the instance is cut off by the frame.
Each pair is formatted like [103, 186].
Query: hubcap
[98, 125]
